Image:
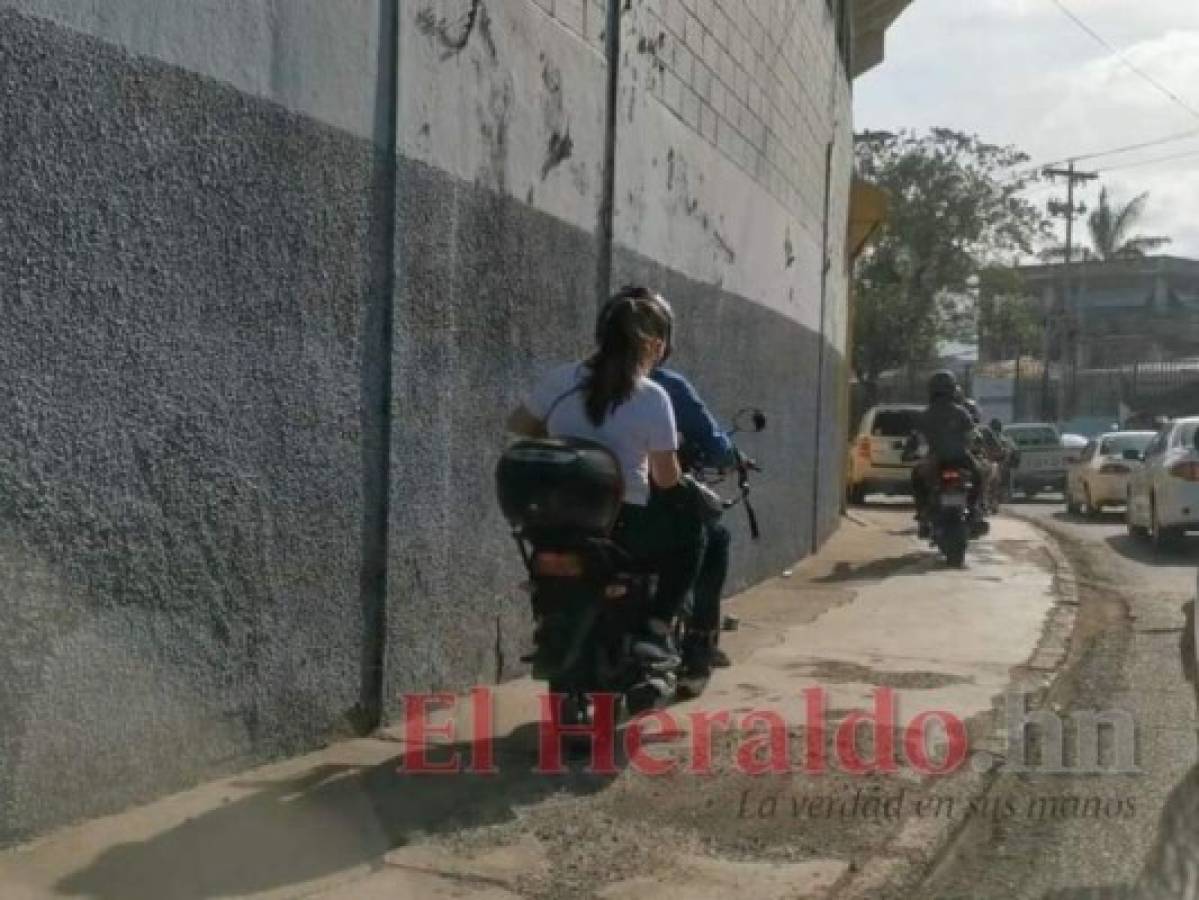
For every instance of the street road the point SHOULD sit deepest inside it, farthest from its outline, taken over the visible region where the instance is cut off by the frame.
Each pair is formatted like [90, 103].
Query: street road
[1125, 656]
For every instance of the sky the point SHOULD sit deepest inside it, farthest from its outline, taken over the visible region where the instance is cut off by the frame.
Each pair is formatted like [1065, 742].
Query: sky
[1020, 72]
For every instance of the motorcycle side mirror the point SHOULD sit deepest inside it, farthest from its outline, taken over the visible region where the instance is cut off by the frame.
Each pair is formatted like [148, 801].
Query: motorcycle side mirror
[750, 419]
[1132, 455]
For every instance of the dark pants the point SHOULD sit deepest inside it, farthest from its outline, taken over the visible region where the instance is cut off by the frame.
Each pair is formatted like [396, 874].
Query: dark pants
[709, 584]
[671, 541]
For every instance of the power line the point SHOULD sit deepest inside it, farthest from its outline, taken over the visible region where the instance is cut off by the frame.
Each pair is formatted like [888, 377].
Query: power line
[1099, 154]
[1150, 162]
[1128, 148]
[1124, 58]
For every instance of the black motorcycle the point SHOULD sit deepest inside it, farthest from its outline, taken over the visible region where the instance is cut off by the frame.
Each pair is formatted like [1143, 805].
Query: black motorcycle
[590, 599]
[951, 520]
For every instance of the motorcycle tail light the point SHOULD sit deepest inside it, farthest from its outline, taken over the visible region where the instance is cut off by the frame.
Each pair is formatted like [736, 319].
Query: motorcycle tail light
[1187, 471]
[548, 564]
[1113, 469]
[949, 476]
[864, 447]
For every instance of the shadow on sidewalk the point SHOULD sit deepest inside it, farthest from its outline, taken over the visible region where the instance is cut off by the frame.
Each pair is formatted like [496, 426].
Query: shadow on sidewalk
[875, 569]
[331, 819]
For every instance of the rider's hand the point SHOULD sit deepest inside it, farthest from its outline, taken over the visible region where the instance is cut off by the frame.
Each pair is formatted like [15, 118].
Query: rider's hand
[747, 461]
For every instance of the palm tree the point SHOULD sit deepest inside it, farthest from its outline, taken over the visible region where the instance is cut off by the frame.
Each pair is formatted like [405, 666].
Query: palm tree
[1109, 225]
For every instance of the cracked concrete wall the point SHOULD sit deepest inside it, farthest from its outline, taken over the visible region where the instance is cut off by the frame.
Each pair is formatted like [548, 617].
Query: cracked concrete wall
[502, 143]
[188, 273]
[197, 269]
[727, 110]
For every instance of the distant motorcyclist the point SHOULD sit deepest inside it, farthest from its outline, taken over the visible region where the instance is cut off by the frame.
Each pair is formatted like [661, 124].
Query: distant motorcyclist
[948, 429]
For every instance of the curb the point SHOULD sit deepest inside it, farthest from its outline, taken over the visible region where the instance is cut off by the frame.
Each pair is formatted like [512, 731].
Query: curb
[890, 872]
[1046, 665]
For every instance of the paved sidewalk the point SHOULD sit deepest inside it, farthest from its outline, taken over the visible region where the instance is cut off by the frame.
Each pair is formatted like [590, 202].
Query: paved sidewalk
[874, 609]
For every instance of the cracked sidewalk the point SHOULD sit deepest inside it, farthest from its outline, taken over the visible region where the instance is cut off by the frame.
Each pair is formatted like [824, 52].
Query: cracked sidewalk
[875, 608]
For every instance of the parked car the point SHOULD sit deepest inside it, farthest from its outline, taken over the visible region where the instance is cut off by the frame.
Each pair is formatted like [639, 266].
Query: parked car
[1100, 477]
[876, 462]
[1163, 494]
[1042, 464]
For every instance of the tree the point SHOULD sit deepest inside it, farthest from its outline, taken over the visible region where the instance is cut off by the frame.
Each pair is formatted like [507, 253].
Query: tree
[955, 208]
[1010, 323]
[1109, 225]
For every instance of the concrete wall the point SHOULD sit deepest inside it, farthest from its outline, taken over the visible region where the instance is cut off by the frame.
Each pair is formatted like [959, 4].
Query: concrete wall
[267, 297]
[733, 117]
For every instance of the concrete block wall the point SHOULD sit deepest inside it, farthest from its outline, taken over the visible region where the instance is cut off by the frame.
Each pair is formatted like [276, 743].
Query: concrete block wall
[267, 300]
[501, 132]
[734, 119]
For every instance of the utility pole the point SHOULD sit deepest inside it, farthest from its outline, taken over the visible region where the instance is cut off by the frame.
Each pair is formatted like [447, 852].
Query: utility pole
[1058, 320]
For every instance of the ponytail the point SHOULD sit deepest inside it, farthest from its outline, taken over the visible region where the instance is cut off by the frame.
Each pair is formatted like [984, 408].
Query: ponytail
[632, 319]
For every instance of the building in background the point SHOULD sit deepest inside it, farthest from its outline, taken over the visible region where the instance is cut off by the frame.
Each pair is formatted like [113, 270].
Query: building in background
[1124, 311]
[273, 272]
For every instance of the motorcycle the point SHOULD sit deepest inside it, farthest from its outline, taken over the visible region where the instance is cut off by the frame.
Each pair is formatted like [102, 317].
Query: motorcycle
[590, 598]
[949, 514]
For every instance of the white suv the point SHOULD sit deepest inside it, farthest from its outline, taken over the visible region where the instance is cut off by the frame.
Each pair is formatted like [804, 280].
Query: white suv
[876, 462]
[1163, 494]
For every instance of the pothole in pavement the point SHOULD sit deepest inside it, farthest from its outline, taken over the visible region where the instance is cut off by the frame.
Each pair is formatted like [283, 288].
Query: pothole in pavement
[840, 672]
[1026, 551]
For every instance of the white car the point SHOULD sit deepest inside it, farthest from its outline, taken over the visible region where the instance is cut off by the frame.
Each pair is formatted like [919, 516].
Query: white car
[1163, 495]
[876, 463]
[1073, 446]
[1100, 476]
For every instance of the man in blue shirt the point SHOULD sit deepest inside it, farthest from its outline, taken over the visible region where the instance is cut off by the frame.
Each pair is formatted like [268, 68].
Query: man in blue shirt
[704, 443]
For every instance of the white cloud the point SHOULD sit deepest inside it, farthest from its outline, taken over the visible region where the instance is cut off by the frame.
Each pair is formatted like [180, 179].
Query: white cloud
[1019, 72]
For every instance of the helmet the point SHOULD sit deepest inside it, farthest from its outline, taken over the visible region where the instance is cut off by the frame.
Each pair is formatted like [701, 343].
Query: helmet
[635, 292]
[942, 384]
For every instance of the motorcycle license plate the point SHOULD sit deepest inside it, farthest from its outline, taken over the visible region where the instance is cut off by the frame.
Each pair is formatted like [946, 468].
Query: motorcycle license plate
[953, 501]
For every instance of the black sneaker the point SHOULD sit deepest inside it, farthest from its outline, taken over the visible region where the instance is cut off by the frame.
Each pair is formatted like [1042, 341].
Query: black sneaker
[697, 656]
[720, 659]
[657, 650]
[694, 676]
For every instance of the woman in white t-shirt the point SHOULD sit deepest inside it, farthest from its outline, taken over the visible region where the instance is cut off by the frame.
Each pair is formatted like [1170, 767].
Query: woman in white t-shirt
[608, 398]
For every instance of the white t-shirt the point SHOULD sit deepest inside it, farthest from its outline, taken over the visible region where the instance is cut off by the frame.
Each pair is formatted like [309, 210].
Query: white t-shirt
[642, 424]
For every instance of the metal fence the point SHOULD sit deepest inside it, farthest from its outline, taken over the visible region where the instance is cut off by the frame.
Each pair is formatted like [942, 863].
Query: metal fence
[1022, 392]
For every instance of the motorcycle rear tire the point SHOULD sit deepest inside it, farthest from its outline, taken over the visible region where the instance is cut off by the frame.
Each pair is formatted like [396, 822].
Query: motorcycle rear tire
[953, 542]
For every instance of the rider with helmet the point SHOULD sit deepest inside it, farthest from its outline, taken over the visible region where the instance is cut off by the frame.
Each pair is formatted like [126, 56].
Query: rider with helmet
[1007, 455]
[948, 428]
[609, 398]
[703, 443]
